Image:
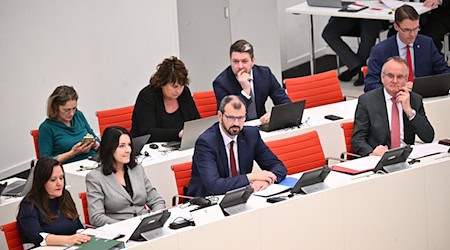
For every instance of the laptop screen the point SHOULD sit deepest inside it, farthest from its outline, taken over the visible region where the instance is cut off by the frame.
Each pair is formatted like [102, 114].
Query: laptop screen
[431, 86]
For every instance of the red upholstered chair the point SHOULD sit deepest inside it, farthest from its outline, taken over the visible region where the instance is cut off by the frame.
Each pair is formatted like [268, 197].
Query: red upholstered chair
[347, 128]
[83, 199]
[206, 103]
[12, 236]
[115, 117]
[182, 174]
[320, 89]
[299, 153]
[35, 134]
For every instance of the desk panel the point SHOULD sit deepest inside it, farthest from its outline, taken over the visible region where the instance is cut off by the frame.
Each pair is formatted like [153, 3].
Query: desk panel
[386, 212]
[305, 222]
[437, 191]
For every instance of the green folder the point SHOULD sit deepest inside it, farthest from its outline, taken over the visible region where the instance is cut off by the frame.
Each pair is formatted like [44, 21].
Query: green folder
[99, 244]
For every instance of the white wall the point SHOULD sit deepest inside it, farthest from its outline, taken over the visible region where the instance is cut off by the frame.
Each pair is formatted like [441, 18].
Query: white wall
[106, 49]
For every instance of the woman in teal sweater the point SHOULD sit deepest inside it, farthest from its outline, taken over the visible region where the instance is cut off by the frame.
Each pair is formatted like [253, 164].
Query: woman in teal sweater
[61, 134]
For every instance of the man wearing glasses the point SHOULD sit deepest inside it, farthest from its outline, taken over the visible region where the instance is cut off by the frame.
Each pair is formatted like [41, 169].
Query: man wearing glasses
[224, 154]
[391, 116]
[419, 51]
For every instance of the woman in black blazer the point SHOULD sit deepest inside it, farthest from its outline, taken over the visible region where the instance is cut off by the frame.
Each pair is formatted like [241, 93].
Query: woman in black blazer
[165, 104]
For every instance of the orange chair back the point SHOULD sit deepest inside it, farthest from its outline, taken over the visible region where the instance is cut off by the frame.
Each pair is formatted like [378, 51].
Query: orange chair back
[182, 174]
[320, 89]
[115, 117]
[206, 103]
[84, 204]
[364, 70]
[35, 134]
[299, 153]
[347, 127]
[12, 236]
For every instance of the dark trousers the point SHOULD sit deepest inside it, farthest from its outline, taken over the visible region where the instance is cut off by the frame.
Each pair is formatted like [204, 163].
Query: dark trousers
[368, 30]
[437, 25]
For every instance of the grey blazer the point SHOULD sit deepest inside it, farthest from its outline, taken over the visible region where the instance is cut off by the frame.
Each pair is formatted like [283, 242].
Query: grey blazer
[109, 202]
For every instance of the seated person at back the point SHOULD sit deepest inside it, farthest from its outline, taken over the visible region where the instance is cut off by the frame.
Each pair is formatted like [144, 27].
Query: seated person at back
[419, 51]
[119, 189]
[379, 125]
[165, 104]
[47, 214]
[253, 83]
[438, 21]
[61, 134]
[218, 166]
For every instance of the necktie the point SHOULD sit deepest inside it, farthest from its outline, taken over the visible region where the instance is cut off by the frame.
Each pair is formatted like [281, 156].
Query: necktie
[232, 161]
[395, 125]
[251, 112]
[409, 61]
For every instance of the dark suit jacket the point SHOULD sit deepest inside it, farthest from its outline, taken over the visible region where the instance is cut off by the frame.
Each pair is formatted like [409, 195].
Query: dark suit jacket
[147, 114]
[210, 171]
[264, 82]
[371, 125]
[427, 60]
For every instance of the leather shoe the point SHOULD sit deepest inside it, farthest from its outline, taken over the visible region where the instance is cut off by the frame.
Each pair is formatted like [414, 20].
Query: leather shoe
[347, 75]
[360, 80]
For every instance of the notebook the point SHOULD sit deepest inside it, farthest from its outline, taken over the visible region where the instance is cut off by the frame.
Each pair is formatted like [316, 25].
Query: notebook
[431, 86]
[20, 187]
[191, 131]
[139, 142]
[285, 116]
[328, 3]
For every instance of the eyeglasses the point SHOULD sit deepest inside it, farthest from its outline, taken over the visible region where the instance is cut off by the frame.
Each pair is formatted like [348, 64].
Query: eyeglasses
[415, 30]
[69, 110]
[231, 118]
[391, 77]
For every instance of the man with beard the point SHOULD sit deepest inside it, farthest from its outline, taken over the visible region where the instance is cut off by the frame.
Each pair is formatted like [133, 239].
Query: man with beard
[253, 83]
[224, 154]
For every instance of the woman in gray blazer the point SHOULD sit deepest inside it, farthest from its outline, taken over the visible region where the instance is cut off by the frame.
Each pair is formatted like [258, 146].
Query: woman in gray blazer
[119, 188]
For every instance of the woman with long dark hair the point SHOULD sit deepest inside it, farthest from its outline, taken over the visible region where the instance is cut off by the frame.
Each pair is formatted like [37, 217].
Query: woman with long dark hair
[47, 214]
[119, 188]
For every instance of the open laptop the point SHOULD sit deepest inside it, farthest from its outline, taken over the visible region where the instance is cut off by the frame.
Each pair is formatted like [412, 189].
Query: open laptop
[139, 142]
[235, 200]
[20, 187]
[285, 116]
[431, 86]
[191, 131]
[328, 3]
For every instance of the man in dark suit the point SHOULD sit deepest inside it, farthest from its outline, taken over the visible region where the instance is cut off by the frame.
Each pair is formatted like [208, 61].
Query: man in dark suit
[438, 21]
[224, 154]
[253, 83]
[425, 58]
[376, 127]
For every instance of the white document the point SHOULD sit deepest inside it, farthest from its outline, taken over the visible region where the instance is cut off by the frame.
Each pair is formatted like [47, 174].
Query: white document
[360, 164]
[427, 149]
[272, 190]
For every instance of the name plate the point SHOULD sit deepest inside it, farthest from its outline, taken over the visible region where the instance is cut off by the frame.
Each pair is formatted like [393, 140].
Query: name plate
[207, 215]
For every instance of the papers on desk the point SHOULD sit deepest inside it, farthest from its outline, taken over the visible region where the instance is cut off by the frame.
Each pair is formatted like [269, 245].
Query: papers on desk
[357, 166]
[272, 190]
[427, 149]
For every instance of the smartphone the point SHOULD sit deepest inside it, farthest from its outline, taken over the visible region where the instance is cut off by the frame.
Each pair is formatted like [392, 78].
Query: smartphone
[333, 117]
[87, 139]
